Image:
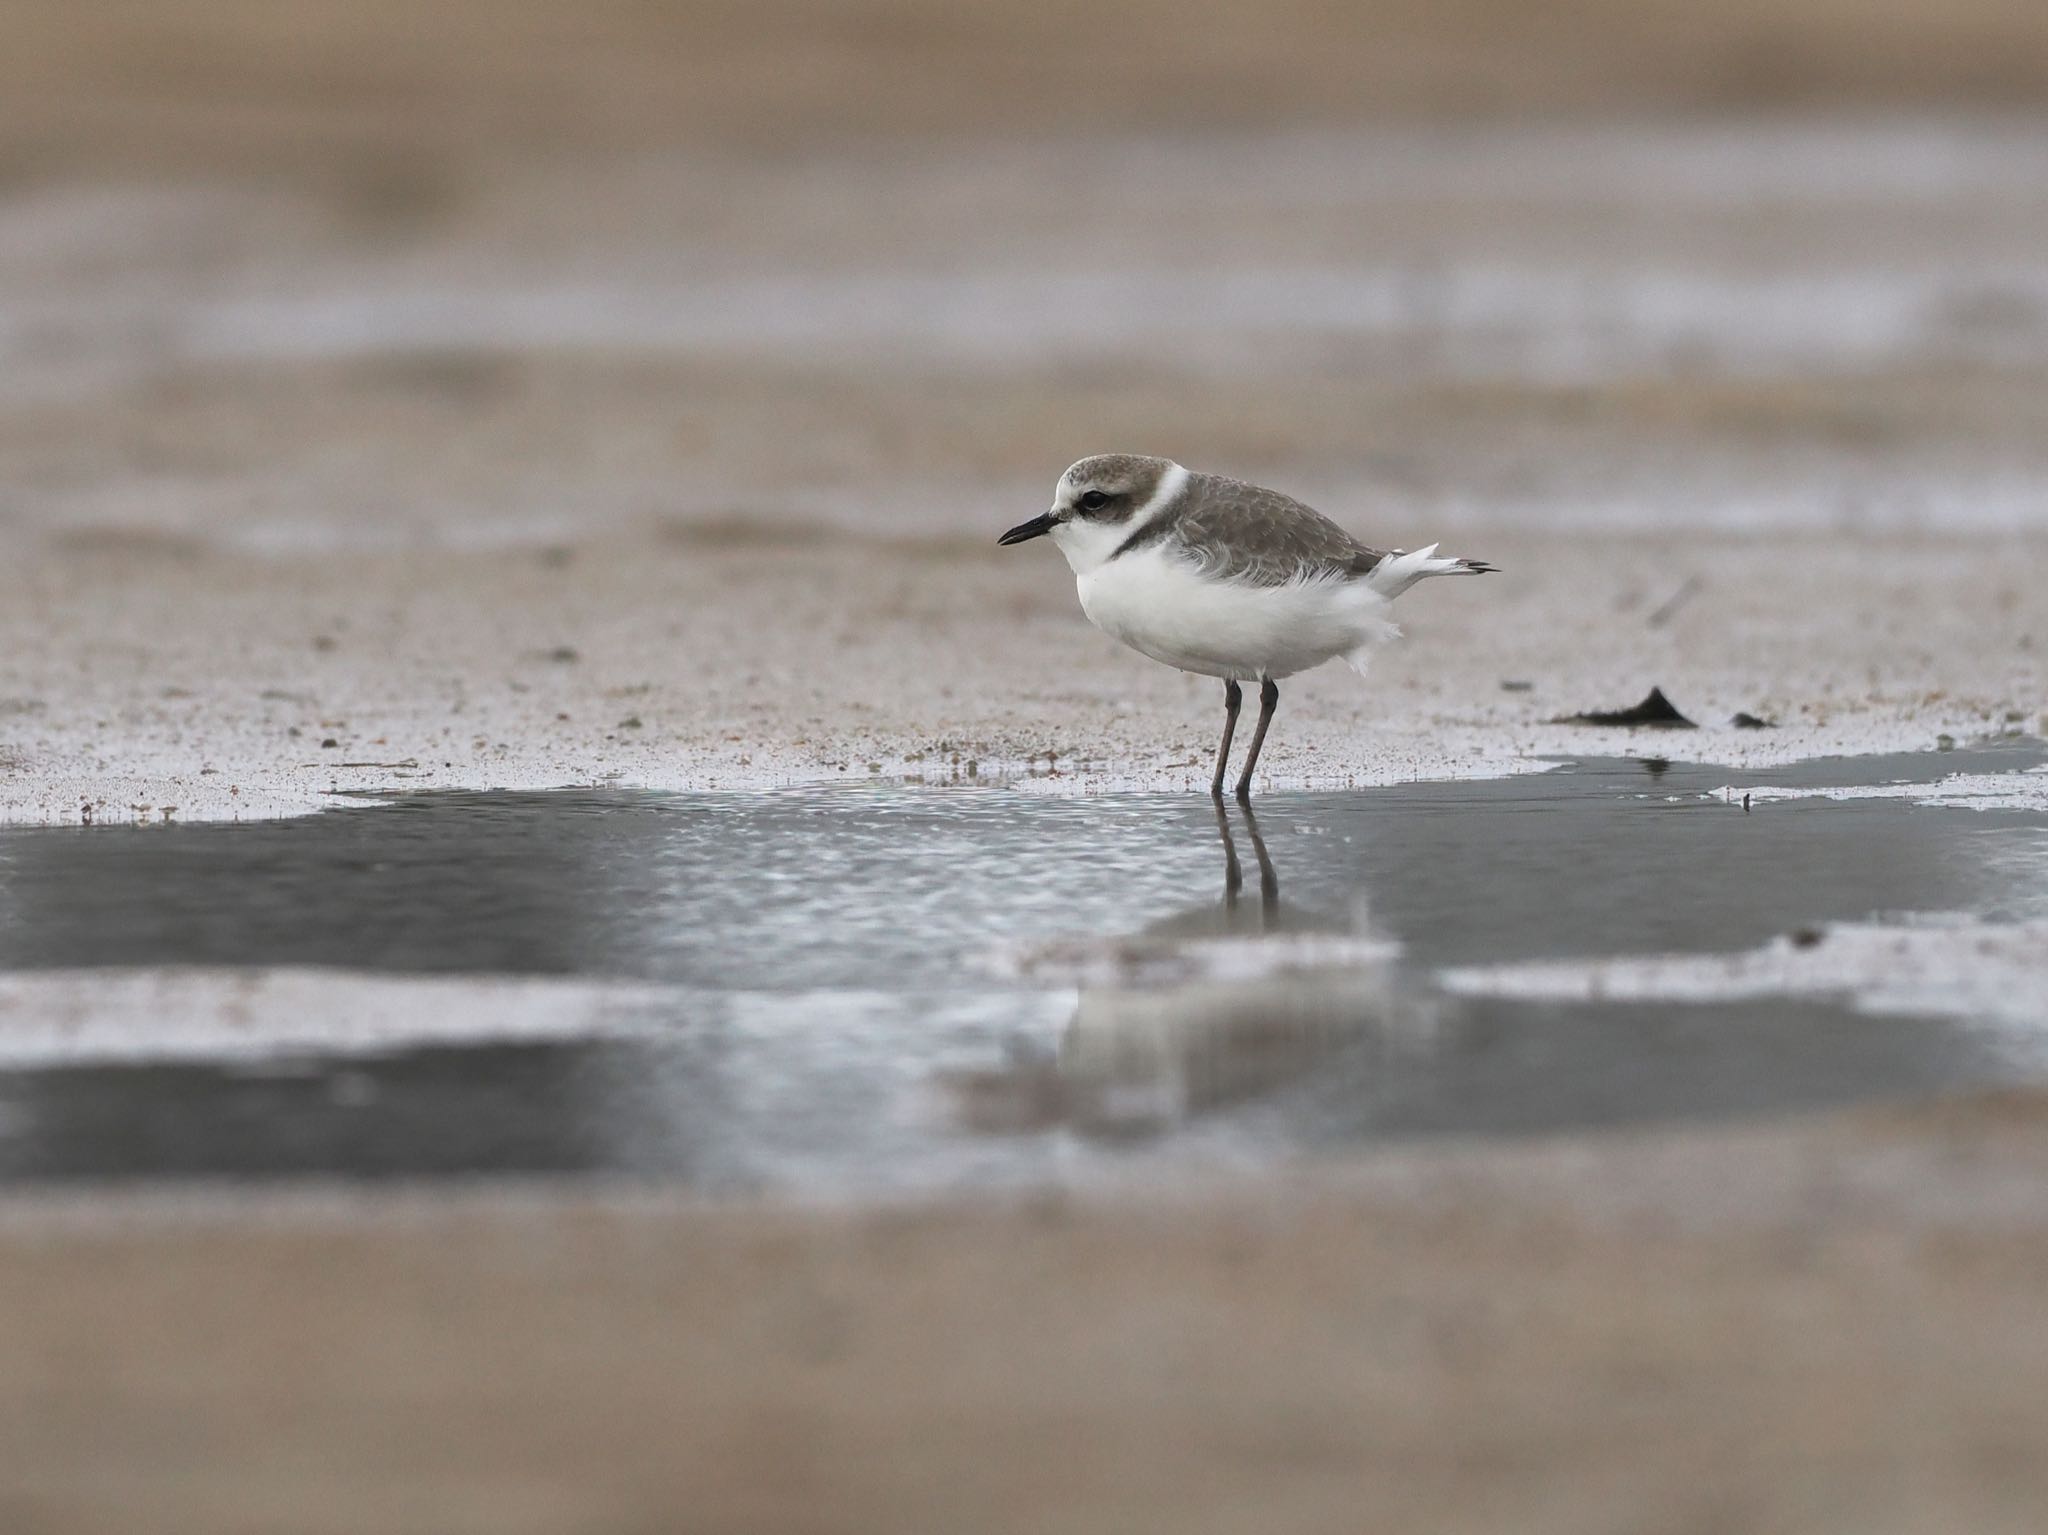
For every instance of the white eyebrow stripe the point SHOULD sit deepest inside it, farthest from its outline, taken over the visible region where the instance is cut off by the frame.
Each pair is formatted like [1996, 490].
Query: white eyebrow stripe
[1164, 494]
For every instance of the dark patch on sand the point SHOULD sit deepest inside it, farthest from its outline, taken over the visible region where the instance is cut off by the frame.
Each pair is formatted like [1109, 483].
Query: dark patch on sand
[1655, 711]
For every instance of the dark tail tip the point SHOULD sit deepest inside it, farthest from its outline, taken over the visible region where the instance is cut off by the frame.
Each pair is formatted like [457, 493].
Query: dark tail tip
[1480, 567]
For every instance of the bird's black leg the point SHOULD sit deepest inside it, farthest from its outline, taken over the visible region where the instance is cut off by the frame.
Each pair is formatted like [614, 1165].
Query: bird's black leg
[1233, 696]
[1269, 700]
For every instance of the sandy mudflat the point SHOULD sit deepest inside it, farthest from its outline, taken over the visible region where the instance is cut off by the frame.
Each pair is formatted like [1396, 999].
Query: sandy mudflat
[147, 677]
[1836, 1325]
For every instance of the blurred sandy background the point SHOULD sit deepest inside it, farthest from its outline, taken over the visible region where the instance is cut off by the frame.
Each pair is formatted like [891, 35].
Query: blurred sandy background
[472, 272]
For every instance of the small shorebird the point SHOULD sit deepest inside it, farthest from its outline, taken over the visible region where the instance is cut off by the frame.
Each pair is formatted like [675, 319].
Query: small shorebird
[1222, 578]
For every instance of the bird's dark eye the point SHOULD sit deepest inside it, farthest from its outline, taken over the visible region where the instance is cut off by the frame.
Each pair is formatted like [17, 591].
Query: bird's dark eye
[1094, 501]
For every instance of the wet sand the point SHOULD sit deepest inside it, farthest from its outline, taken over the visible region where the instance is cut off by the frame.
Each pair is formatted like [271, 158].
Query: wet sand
[1840, 1328]
[364, 91]
[148, 678]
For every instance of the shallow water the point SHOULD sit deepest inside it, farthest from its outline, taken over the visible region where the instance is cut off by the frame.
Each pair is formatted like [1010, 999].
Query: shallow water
[859, 989]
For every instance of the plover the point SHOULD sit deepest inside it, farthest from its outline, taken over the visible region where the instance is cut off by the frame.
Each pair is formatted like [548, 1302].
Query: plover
[1224, 579]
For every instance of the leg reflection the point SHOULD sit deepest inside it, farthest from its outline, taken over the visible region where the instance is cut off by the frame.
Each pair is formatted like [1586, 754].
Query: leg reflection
[1269, 882]
[1233, 871]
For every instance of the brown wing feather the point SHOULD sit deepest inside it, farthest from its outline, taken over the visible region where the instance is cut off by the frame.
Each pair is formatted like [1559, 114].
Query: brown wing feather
[1247, 533]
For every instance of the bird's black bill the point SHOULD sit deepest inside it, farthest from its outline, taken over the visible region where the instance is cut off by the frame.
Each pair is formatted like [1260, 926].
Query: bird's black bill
[1037, 527]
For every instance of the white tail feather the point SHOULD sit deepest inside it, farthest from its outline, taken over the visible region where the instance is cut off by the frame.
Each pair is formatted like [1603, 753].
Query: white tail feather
[1397, 572]
[1393, 576]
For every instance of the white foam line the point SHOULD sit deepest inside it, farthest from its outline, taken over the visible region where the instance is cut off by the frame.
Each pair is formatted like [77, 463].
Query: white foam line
[78, 1017]
[1553, 321]
[1564, 322]
[1955, 967]
[2025, 790]
[1144, 960]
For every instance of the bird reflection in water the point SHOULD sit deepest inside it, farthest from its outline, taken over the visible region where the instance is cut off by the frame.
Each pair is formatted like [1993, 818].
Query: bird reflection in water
[1201, 1010]
[1233, 871]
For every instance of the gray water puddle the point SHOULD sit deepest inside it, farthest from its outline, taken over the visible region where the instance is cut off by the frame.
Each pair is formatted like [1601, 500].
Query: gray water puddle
[864, 989]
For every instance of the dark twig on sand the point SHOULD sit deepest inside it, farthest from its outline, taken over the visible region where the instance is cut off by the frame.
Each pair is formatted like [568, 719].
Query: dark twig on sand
[1663, 614]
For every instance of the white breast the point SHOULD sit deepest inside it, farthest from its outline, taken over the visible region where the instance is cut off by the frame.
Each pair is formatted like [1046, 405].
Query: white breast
[1157, 601]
